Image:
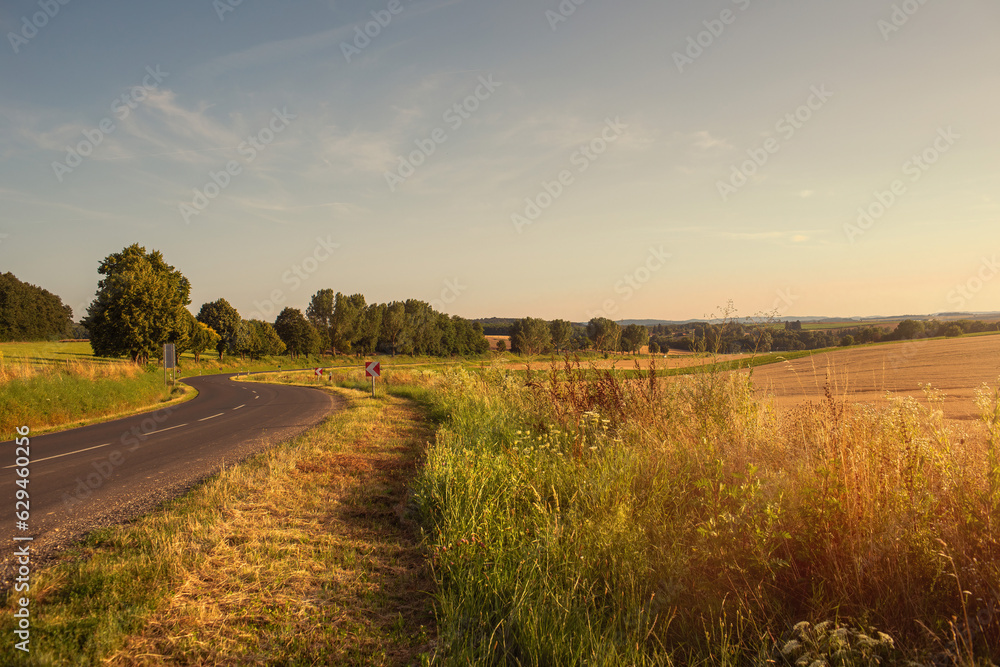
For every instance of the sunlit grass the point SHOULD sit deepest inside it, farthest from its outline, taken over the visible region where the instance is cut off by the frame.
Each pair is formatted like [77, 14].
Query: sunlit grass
[686, 521]
[303, 554]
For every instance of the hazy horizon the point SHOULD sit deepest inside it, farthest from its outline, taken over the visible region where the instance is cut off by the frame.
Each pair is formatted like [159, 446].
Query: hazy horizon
[572, 159]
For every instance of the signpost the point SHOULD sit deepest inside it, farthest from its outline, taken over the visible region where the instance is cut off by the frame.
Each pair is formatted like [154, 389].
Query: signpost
[373, 369]
[168, 361]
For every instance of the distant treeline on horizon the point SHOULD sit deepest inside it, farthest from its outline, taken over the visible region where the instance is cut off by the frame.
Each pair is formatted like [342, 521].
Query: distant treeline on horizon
[142, 303]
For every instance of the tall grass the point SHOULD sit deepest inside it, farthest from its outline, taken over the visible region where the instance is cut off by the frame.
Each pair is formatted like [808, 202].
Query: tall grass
[582, 520]
[55, 392]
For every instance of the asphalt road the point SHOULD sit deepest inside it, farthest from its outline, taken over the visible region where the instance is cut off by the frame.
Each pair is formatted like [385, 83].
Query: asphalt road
[115, 471]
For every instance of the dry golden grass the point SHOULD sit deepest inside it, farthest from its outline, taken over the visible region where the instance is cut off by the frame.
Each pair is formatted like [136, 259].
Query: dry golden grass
[24, 370]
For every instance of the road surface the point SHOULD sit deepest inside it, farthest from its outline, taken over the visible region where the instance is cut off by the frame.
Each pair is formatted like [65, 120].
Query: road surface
[111, 472]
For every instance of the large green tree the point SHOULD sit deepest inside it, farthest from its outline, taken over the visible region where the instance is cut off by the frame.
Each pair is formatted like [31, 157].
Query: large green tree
[267, 341]
[320, 314]
[296, 332]
[530, 336]
[347, 312]
[562, 333]
[28, 312]
[139, 306]
[634, 336]
[369, 328]
[604, 333]
[395, 327]
[200, 338]
[224, 320]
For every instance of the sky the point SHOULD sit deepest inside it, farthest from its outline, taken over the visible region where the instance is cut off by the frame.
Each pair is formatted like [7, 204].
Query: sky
[557, 159]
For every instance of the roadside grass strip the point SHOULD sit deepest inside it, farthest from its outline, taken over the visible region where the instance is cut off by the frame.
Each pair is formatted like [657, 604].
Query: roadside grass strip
[304, 554]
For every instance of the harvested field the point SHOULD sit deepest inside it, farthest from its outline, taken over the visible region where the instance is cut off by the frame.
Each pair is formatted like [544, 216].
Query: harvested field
[955, 366]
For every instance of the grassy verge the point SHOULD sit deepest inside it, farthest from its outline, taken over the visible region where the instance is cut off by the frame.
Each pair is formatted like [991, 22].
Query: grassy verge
[684, 521]
[301, 555]
[64, 397]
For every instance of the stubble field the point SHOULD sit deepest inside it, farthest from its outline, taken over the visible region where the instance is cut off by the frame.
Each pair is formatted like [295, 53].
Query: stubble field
[956, 367]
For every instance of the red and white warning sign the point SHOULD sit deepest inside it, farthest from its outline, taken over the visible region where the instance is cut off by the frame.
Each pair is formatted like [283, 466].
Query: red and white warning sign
[373, 369]
[319, 372]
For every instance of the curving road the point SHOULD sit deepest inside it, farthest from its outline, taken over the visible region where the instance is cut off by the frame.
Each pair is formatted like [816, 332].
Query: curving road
[114, 471]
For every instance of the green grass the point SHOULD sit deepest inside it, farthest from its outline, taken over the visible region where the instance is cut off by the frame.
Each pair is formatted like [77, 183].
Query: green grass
[686, 522]
[50, 385]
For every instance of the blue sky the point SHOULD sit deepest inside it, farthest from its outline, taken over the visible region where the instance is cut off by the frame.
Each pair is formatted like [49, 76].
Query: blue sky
[631, 159]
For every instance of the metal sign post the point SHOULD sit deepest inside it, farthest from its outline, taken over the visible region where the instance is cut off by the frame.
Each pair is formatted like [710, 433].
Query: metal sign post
[168, 362]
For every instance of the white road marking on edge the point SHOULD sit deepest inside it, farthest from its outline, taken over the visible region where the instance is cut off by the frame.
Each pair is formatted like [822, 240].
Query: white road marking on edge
[212, 417]
[60, 455]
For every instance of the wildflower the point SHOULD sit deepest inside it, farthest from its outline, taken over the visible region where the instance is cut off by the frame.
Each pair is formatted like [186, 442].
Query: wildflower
[791, 648]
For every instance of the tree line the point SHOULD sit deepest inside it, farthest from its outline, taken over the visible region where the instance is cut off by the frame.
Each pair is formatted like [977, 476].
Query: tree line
[737, 337]
[141, 303]
[535, 336]
[28, 312]
[530, 335]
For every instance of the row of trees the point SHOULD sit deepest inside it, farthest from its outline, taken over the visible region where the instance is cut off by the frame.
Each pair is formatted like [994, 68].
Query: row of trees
[141, 303]
[738, 337]
[28, 312]
[347, 324]
[535, 336]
